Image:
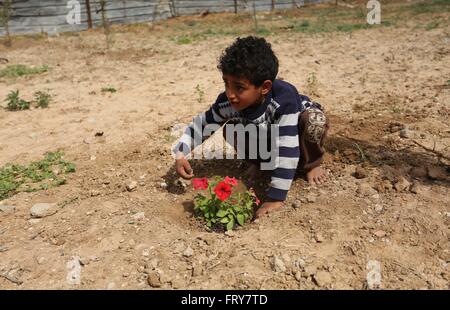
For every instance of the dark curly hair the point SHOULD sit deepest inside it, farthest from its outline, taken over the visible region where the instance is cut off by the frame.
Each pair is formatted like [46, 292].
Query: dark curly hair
[251, 58]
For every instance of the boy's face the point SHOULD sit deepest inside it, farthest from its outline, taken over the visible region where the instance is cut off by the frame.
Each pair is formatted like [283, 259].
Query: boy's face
[242, 93]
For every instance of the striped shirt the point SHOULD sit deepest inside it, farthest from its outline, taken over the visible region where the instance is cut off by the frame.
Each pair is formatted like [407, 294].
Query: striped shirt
[282, 106]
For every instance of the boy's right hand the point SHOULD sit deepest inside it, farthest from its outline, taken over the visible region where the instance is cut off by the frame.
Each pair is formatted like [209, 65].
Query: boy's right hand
[183, 168]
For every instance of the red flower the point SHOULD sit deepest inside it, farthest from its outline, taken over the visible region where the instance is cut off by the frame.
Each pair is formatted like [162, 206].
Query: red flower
[231, 181]
[223, 190]
[200, 183]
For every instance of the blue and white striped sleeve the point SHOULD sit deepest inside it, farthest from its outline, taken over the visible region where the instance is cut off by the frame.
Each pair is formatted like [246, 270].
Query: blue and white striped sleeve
[194, 134]
[288, 152]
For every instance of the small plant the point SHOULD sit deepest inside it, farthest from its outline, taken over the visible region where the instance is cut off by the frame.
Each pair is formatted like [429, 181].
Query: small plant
[184, 40]
[109, 89]
[15, 103]
[13, 71]
[42, 99]
[225, 206]
[200, 93]
[36, 176]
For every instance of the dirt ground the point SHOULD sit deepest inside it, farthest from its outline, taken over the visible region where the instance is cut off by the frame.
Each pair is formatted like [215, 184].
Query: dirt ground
[386, 90]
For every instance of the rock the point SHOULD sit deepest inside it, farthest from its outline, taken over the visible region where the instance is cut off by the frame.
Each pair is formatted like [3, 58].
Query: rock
[197, 271]
[322, 278]
[379, 233]
[319, 238]
[418, 172]
[373, 277]
[360, 173]
[34, 221]
[138, 216]
[153, 279]
[163, 185]
[7, 209]
[384, 186]
[181, 183]
[111, 286]
[402, 184]
[3, 248]
[405, 133]
[94, 193]
[188, 252]
[309, 271]
[298, 275]
[43, 209]
[296, 204]
[378, 208]
[278, 264]
[285, 257]
[74, 274]
[365, 189]
[436, 173]
[154, 263]
[299, 263]
[416, 188]
[230, 233]
[311, 198]
[131, 186]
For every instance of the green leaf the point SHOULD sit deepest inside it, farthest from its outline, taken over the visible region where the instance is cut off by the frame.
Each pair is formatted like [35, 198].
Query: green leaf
[222, 213]
[241, 219]
[224, 220]
[230, 225]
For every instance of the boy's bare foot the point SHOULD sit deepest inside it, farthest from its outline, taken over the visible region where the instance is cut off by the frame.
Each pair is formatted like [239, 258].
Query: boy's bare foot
[316, 176]
[268, 207]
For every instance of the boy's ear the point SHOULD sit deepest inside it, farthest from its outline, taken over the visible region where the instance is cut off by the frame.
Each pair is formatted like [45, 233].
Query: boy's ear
[266, 87]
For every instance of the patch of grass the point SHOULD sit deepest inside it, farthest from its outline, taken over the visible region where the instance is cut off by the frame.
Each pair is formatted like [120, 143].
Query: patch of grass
[184, 40]
[13, 71]
[432, 6]
[39, 175]
[42, 99]
[109, 89]
[15, 103]
[432, 25]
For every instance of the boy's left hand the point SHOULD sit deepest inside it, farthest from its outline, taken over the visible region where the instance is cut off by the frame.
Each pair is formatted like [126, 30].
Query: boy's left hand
[268, 207]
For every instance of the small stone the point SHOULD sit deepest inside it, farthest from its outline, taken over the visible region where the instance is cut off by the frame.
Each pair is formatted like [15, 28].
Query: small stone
[94, 193]
[188, 252]
[309, 271]
[131, 186]
[154, 263]
[230, 233]
[278, 264]
[378, 208]
[296, 204]
[197, 271]
[138, 216]
[416, 188]
[319, 238]
[43, 209]
[365, 189]
[111, 286]
[3, 248]
[74, 271]
[311, 198]
[7, 209]
[163, 185]
[405, 133]
[300, 263]
[373, 277]
[153, 279]
[146, 252]
[436, 173]
[402, 185]
[181, 183]
[298, 275]
[360, 173]
[34, 221]
[379, 233]
[322, 278]
[125, 275]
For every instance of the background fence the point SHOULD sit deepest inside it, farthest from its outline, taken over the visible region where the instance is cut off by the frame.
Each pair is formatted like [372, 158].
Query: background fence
[34, 16]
